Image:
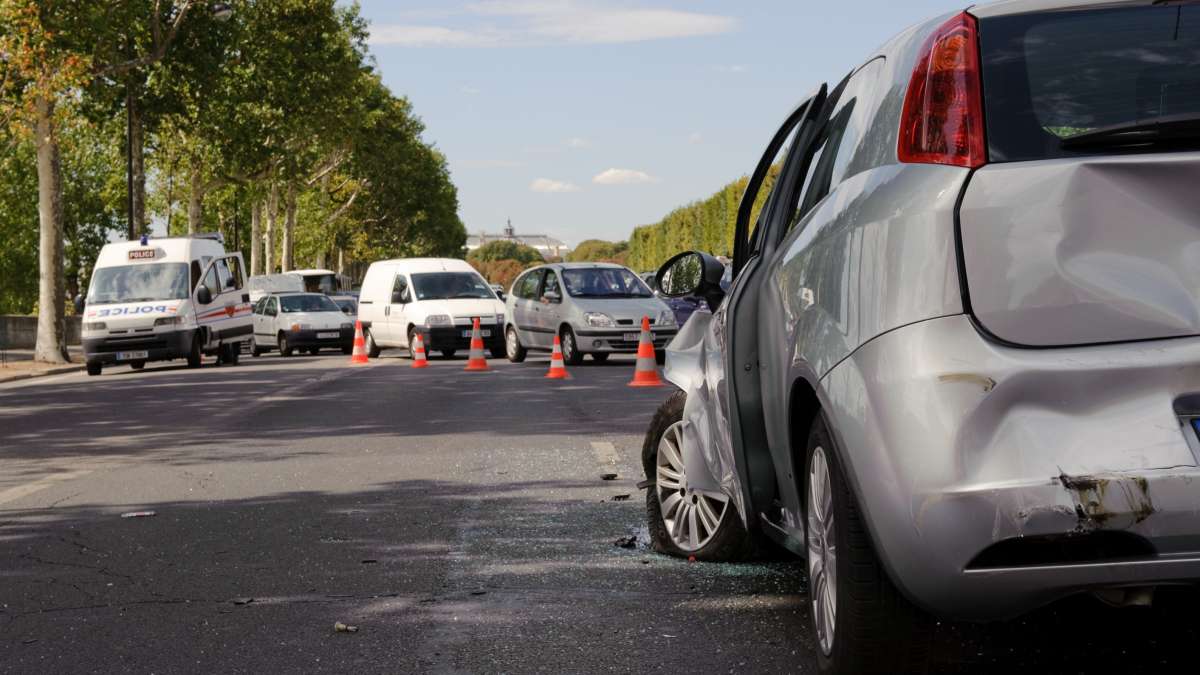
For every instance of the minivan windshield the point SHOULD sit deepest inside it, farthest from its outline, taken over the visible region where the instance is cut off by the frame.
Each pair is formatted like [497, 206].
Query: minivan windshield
[604, 282]
[307, 303]
[138, 283]
[450, 286]
[1050, 76]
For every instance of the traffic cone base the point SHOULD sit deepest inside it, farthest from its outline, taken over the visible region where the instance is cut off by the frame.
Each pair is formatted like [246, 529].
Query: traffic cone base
[645, 373]
[359, 356]
[558, 370]
[476, 360]
[418, 350]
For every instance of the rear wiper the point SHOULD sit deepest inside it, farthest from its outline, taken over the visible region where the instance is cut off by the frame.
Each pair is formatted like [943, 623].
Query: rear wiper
[1175, 128]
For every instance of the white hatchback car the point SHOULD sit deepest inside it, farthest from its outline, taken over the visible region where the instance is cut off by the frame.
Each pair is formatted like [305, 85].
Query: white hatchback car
[300, 322]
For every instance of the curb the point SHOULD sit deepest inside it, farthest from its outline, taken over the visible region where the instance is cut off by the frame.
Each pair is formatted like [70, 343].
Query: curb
[41, 373]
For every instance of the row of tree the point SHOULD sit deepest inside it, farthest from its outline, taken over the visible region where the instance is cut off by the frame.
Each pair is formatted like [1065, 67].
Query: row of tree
[264, 119]
[706, 225]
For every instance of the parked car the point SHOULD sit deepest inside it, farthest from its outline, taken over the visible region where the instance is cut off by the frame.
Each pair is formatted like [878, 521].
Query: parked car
[306, 322]
[594, 308]
[347, 303]
[163, 299]
[435, 297]
[958, 368]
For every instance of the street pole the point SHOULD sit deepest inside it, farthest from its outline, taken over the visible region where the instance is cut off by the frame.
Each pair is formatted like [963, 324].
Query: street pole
[129, 155]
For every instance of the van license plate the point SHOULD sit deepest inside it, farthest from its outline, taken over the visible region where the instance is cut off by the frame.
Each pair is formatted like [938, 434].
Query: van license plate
[132, 356]
[328, 336]
[483, 332]
[634, 337]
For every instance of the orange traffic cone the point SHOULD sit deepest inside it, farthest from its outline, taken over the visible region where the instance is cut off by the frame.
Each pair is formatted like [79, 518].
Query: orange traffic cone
[475, 360]
[418, 352]
[359, 356]
[645, 374]
[558, 371]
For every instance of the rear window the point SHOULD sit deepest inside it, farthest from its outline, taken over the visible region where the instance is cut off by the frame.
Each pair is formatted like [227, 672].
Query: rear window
[1052, 75]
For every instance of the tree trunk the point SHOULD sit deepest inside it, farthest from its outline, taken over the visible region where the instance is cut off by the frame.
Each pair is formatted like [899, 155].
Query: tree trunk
[195, 199]
[137, 140]
[341, 264]
[256, 245]
[269, 235]
[51, 337]
[289, 229]
[320, 262]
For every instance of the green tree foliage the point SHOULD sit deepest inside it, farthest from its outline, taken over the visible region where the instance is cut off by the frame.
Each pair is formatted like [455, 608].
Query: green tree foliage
[598, 250]
[503, 272]
[503, 249]
[705, 225]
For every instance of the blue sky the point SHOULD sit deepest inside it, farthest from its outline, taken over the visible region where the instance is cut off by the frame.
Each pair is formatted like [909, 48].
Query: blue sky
[586, 118]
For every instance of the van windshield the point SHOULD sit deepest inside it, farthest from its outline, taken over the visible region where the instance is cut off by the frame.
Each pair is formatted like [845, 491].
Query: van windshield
[451, 285]
[1048, 77]
[138, 283]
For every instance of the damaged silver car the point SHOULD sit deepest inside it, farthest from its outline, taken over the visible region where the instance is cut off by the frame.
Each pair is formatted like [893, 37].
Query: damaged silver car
[958, 369]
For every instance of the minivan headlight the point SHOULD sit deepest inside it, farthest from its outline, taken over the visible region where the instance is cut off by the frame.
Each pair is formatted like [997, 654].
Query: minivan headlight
[598, 319]
[666, 318]
[438, 320]
[168, 321]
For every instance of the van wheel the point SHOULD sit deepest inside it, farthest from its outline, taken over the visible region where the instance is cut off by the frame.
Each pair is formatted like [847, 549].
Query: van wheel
[412, 339]
[194, 358]
[284, 348]
[570, 348]
[512, 346]
[373, 349]
[94, 368]
[861, 622]
[682, 521]
[138, 365]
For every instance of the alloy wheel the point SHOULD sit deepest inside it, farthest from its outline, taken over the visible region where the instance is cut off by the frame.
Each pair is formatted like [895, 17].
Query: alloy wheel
[510, 342]
[692, 517]
[822, 550]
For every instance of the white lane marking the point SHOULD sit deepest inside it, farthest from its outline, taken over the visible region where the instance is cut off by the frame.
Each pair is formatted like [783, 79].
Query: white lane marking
[606, 453]
[15, 493]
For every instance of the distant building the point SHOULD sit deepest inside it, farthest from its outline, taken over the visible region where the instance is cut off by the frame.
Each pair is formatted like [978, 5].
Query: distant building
[548, 246]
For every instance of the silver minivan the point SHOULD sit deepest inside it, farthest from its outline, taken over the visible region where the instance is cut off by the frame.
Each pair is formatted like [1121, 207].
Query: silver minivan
[594, 308]
[958, 369]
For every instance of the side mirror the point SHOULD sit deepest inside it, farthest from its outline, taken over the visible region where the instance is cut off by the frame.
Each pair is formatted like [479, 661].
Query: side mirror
[203, 295]
[692, 273]
[397, 298]
[78, 302]
[346, 310]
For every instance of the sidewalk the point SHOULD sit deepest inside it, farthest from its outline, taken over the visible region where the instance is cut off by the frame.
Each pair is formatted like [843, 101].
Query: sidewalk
[18, 364]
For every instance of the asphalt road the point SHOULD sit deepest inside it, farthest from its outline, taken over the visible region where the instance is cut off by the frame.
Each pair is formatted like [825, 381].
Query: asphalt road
[458, 520]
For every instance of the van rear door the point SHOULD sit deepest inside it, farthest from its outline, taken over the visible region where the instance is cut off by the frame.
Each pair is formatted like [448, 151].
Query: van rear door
[1085, 225]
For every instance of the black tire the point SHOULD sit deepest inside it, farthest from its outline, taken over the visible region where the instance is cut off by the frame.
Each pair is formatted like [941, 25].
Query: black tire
[730, 542]
[373, 349]
[876, 630]
[600, 357]
[570, 347]
[284, 348]
[449, 353]
[513, 348]
[412, 338]
[94, 368]
[194, 357]
[138, 365]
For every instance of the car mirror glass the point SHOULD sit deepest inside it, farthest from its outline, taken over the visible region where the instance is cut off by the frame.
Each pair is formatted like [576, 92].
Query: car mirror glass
[681, 275]
[203, 295]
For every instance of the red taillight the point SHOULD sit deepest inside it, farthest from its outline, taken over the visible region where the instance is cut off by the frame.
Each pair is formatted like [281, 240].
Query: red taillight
[943, 110]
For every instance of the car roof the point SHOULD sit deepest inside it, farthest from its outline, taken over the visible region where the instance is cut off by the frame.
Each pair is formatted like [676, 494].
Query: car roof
[417, 265]
[587, 266]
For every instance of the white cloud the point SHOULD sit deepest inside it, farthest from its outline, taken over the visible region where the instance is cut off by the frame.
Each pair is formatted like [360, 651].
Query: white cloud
[696, 138]
[506, 23]
[488, 164]
[548, 185]
[623, 177]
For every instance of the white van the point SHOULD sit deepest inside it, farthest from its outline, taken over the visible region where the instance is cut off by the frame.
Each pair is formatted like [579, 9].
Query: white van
[436, 297]
[260, 285]
[162, 299]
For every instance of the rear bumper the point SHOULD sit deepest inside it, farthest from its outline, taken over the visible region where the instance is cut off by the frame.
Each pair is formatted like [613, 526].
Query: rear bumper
[613, 341]
[995, 479]
[160, 346]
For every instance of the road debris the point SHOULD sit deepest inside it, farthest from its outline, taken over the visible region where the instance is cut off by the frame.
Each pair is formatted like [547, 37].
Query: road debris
[242, 601]
[340, 627]
[480, 592]
[369, 561]
[608, 476]
[620, 498]
[627, 542]
[139, 514]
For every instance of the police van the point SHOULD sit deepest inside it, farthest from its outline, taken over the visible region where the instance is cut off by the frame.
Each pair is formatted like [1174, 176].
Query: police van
[163, 299]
